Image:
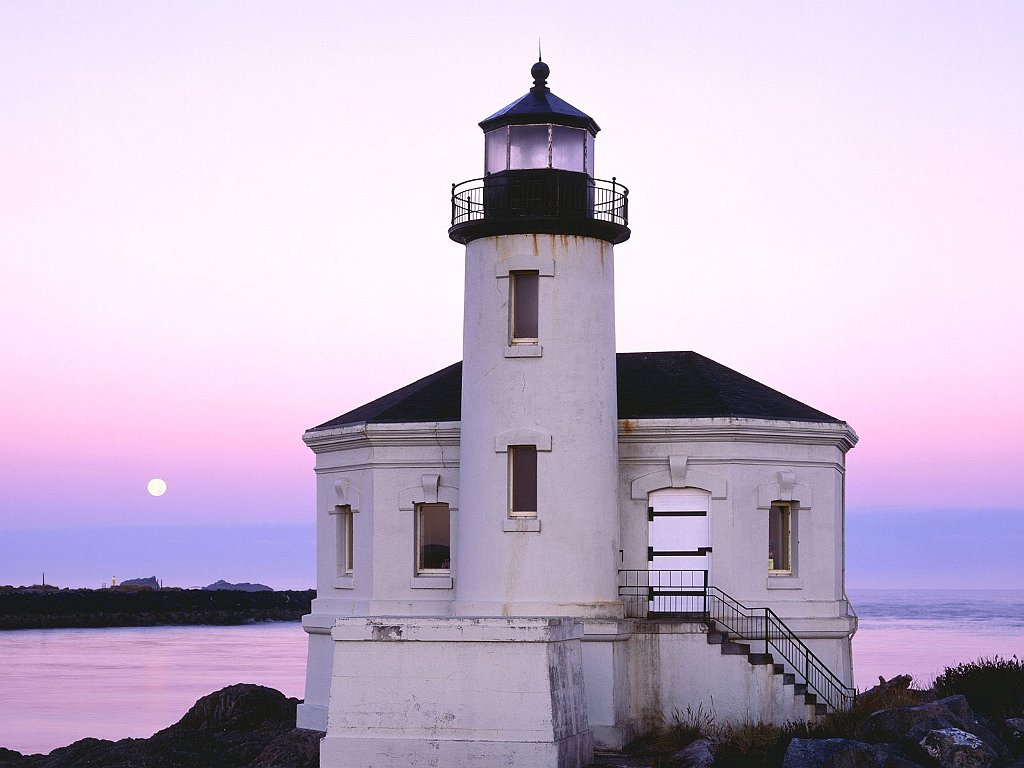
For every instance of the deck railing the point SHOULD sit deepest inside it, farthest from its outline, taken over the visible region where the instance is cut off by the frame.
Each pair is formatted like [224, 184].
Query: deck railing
[687, 595]
[557, 195]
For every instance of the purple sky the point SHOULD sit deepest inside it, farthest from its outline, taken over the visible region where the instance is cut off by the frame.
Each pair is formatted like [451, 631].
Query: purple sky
[222, 223]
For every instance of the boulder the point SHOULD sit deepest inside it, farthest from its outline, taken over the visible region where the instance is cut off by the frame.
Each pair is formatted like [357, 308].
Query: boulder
[297, 748]
[235, 708]
[697, 754]
[1013, 730]
[843, 753]
[954, 748]
[907, 726]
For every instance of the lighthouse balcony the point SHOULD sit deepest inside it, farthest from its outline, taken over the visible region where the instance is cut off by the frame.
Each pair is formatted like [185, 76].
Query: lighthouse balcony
[542, 201]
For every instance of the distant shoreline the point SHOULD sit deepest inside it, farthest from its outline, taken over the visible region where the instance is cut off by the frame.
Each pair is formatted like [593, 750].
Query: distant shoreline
[89, 608]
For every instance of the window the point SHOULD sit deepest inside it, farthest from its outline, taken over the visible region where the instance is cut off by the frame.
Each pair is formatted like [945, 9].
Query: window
[780, 538]
[433, 539]
[343, 523]
[524, 307]
[522, 480]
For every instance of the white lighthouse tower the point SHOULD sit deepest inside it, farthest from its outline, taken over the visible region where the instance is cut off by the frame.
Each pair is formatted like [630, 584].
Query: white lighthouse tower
[539, 527]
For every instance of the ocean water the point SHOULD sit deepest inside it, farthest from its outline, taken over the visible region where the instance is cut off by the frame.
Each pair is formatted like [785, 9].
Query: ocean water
[922, 631]
[60, 685]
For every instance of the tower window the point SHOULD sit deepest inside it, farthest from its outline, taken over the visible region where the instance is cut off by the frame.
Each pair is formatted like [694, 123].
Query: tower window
[343, 537]
[524, 306]
[522, 472]
[433, 539]
[780, 538]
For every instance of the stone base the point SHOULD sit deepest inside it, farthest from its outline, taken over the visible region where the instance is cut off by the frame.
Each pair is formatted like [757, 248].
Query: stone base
[376, 753]
[453, 692]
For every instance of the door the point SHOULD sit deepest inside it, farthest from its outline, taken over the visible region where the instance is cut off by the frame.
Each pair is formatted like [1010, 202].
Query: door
[678, 550]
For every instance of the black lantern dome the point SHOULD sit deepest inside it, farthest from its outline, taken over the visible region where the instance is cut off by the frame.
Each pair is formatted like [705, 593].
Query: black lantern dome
[539, 174]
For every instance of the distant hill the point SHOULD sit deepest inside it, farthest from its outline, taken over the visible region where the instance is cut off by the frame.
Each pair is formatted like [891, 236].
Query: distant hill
[244, 586]
[147, 582]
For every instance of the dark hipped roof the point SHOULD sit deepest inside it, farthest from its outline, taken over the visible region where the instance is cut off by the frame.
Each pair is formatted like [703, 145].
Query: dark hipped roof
[540, 106]
[652, 385]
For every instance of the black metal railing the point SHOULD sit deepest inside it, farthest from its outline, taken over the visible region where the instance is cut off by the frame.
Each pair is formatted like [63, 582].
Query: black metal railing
[664, 594]
[539, 194]
[687, 594]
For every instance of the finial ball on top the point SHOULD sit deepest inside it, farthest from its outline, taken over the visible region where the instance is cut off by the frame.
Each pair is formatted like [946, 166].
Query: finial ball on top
[540, 72]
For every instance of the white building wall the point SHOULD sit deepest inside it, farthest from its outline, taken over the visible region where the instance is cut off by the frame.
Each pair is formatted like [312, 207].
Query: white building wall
[734, 460]
[559, 395]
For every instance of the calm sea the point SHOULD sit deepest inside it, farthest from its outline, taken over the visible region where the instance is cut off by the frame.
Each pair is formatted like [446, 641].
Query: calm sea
[60, 685]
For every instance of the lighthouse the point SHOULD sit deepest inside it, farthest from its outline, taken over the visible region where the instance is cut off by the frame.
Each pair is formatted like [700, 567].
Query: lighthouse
[549, 545]
[539, 533]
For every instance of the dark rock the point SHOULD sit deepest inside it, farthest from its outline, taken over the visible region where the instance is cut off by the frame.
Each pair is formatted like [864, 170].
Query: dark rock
[241, 726]
[907, 726]
[237, 707]
[954, 748]
[1013, 733]
[244, 586]
[697, 754]
[297, 748]
[843, 753]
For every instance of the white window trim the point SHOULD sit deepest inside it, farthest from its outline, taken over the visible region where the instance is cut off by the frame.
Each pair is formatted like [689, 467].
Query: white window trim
[420, 572]
[431, 490]
[342, 513]
[502, 442]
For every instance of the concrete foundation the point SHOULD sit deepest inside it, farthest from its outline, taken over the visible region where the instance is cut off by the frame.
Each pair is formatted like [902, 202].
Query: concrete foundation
[415, 692]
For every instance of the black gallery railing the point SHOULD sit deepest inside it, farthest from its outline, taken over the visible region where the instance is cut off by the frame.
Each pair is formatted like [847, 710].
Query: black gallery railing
[540, 194]
[686, 595]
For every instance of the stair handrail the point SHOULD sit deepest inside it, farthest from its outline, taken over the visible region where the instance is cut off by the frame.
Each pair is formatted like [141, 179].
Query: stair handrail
[777, 635]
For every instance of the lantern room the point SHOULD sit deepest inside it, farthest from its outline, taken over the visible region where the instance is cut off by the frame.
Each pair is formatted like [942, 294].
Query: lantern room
[539, 174]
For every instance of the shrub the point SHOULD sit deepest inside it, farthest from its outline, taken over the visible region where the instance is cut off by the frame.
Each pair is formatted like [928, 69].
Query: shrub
[994, 687]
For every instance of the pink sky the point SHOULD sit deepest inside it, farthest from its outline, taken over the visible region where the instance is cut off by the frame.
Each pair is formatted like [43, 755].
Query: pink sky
[223, 223]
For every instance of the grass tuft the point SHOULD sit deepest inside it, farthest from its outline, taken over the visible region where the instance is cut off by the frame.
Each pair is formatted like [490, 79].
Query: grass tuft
[993, 686]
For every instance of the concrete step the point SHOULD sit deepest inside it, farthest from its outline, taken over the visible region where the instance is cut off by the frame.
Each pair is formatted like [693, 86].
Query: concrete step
[729, 648]
[759, 659]
[716, 638]
[788, 678]
[799, 688]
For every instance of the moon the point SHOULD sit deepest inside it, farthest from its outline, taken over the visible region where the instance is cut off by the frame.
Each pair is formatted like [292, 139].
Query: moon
[156, 487]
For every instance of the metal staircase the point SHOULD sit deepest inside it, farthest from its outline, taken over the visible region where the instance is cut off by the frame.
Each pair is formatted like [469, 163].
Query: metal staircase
[738, 629]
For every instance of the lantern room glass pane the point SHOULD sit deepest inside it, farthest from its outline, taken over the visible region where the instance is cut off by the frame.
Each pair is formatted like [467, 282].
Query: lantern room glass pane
[568, 148]
[496, 150]
[590, 152]
[528, 146]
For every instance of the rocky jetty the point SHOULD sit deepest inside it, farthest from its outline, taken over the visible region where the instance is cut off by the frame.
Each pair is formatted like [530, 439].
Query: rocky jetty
[142, 607]
[241, 726]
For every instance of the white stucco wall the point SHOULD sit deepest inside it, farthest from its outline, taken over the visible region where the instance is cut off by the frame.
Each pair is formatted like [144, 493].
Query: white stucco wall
[560, 395]
[735, 460]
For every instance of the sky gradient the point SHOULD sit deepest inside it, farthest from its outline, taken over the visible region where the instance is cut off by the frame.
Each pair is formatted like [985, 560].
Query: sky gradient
[222, 223]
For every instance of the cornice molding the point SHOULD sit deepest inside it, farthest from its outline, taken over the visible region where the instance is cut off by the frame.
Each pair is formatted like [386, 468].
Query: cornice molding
[435, 433]
[838, 434]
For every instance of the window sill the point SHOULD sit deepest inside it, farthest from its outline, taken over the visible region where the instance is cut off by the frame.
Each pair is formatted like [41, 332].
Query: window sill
[343, 582]
[785, 582]
[524, 350]
[432, 582]
[521, 525]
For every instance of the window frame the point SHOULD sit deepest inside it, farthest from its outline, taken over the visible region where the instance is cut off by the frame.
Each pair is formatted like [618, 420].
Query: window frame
[344, 536]
[515, 299]
[515, 476]
[786, 538]
[418, 568]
